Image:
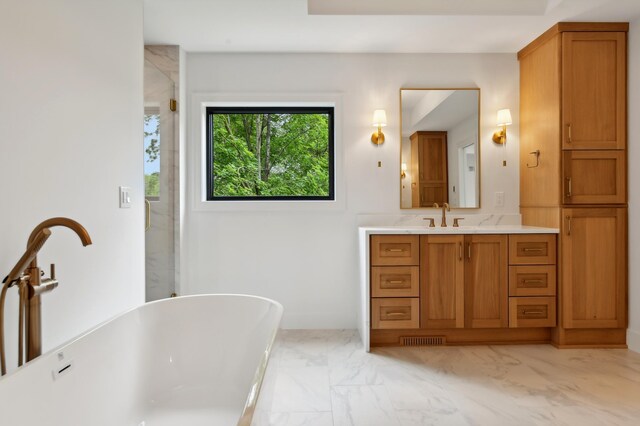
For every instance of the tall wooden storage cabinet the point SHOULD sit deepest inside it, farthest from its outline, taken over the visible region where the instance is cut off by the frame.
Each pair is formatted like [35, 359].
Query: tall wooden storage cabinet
[573, 90]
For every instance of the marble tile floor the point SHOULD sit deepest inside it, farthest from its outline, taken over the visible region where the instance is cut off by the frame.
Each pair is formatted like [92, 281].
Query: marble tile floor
[324, 378]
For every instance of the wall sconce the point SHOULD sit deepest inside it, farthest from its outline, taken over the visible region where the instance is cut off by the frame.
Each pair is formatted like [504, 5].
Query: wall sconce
[403, 172]
[504, 119]
[379, 121]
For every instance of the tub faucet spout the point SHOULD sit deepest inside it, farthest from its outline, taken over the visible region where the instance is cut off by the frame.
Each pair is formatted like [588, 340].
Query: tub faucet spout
[27, 275]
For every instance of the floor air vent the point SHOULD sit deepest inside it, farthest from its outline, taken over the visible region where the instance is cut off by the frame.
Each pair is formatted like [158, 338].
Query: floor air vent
[423, 341]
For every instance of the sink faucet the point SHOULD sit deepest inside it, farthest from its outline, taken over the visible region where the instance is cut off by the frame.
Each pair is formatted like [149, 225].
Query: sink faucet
[445, 208]
[27, 275]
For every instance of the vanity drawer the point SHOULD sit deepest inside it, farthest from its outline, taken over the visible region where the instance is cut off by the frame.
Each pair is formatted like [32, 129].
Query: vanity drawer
[392, 250]
[395, 281]
[532, 312]
[395, 313]
[534, 249]
[538, 280]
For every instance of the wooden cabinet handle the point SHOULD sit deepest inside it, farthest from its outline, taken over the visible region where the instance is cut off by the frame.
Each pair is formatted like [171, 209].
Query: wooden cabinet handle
[568, 225]
[569, 189]
[460, 251]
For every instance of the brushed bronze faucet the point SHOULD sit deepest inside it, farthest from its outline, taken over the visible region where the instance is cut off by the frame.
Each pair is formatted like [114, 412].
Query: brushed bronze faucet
[27, 275]
[445, 208]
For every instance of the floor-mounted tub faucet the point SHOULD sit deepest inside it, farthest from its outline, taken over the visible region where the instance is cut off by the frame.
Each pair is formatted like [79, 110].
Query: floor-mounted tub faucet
[27, 275]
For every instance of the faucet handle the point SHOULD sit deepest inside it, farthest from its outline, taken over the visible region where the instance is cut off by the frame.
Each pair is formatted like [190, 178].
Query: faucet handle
[53, 271]
[432, 221]
[456, 221]
[435, 206]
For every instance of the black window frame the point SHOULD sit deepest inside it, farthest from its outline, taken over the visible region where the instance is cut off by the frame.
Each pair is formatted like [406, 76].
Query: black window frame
[211, 110]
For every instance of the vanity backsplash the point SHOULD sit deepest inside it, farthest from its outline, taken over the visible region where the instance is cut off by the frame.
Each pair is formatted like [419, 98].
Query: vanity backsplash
[418, 219]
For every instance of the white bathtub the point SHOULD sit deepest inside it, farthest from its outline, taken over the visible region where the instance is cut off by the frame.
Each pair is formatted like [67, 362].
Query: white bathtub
[196, 360]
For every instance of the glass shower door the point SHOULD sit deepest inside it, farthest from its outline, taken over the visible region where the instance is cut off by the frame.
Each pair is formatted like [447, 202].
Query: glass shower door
[159, 142]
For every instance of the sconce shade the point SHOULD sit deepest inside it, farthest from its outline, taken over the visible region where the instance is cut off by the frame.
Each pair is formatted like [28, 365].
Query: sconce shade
[504, 117]
[379, 118]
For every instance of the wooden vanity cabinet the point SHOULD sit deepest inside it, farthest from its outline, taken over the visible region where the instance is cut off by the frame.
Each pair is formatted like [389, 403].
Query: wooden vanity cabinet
[594, 177]
[575, 75]
[463, 289]
[532, 281]
[594, 269]
[394, 275]
[442, 270]
[594, 89]
[485, 281]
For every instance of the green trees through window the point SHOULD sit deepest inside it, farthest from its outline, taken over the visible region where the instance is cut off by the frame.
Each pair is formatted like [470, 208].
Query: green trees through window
[152, 155]
[270, 153]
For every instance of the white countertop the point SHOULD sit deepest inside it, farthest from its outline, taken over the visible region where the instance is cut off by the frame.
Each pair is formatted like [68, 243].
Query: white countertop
[483, 229]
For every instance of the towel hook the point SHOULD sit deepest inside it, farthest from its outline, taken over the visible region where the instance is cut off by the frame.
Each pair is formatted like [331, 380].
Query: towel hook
[537, 154]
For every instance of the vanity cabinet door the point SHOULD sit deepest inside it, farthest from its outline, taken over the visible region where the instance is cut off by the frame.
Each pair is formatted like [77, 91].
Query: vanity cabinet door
[442, 281]
[594, 177]
[594, 90]
[485, 275]
[594, 268]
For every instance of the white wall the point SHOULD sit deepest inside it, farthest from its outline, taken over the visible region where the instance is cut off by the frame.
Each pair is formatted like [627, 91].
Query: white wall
[70, 134]
[463, 134]
[308, 260]
[633, 336]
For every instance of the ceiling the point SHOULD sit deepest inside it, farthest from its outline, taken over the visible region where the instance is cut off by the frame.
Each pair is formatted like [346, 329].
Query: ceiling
[436, 110]
[410, 26]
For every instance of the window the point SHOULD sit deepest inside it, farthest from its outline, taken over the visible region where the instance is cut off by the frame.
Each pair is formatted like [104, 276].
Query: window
[152, 153]
[270, 153]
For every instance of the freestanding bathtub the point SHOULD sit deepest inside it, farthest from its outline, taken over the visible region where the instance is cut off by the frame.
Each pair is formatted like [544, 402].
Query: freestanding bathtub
[195, 360]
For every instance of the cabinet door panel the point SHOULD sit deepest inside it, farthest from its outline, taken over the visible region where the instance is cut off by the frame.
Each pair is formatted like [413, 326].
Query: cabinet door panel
[486, 291]
[594, 268]
[594, 177]
[442, 281]
[594, 90]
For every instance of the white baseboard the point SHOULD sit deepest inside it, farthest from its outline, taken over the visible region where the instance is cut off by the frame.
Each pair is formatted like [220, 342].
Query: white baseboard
[317, 321]
[633, 340]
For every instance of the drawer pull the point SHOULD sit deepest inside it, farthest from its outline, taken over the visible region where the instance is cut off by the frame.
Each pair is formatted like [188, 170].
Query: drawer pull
[528, 249]
[395, 250]
[536, 312]
[532, 281]
[569, 190]
[395, 281]
[396, 314]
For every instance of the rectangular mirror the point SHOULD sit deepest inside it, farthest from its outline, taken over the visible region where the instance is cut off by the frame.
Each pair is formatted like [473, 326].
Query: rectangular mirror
[440, 149]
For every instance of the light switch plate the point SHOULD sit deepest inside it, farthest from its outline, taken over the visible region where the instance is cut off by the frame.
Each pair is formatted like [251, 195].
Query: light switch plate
[125, 197]
[499, 201]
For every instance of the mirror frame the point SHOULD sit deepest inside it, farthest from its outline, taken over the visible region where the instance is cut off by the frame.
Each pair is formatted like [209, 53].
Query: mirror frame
[479, 146]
